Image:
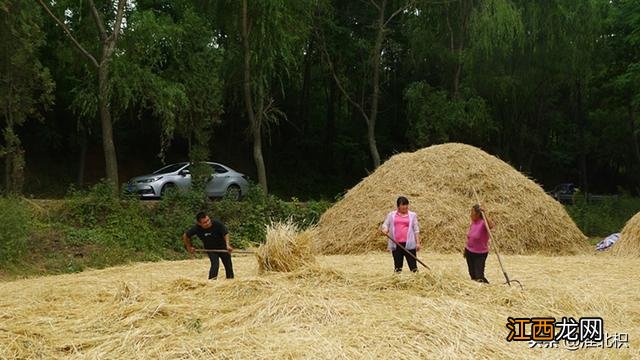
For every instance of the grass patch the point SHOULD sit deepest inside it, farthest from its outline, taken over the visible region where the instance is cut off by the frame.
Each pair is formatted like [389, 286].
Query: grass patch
[602, 218]
[93, 229]
[15, 229]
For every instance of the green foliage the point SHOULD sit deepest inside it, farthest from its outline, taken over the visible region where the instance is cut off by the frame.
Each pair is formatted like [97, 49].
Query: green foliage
[496, 28]
[171, 68]
[200, 172]
[176, 213]
[601, 218]
[25, 85]
[87, 208]
[249, 217]
[96, 216]
[435, 118]
[275, 48]
[500, 74]
[245, 220]
[166, 66]
[15, 229]
[93, 228]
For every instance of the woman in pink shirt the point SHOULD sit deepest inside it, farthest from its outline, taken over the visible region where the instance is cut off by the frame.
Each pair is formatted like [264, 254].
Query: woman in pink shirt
[477, 247]
[402, 226]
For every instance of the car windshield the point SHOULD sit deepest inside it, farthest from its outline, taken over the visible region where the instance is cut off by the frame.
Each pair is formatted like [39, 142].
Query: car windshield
[169, 169]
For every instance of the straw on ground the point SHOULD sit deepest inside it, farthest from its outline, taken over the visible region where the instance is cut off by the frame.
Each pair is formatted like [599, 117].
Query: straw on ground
[287, 247]
[347, 306]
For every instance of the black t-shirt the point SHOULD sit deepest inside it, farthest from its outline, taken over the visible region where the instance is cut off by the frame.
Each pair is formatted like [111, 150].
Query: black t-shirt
[213, 237]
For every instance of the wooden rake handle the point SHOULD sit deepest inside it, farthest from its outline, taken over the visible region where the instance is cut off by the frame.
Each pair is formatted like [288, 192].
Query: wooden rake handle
[224, 251]
[408, 252]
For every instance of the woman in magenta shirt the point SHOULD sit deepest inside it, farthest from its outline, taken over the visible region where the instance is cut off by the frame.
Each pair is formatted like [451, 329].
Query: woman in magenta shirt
[477, 247]
[402, 226]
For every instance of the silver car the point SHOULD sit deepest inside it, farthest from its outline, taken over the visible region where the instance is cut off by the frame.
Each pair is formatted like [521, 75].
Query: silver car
[224, 181]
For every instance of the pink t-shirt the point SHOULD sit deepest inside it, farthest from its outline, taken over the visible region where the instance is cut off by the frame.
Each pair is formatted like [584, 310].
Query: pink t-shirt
[478, 237]
[401, 227]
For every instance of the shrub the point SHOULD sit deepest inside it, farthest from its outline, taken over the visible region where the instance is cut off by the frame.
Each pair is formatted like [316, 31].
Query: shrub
[97, 216]
[15, 229]
[246, 220]
[603, 217]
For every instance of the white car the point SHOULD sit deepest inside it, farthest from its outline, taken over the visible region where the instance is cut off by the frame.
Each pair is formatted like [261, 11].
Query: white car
[224, 181]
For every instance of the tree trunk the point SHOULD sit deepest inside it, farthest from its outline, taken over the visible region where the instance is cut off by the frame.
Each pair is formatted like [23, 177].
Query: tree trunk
[254, 121]
[303, 106]
[452, 49]
[456, 78]
[14, 163]
[111, 161]
[7, 145]
[17, 173]
[457, 50]
[7, 173]
[582, 125]
[108, 44]
[330, 125]
[634, 135]
[465, 13]
[82, 161]
[375, 95]
[13, 153]
[12, 146]
[257, 143]
[259, 160]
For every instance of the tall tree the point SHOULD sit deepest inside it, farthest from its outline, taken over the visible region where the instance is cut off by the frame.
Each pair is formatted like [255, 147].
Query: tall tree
[447, 41]
[585, 20]
[175, 77]
[108, 23]
[25, 85]
[255, 117]
[267, 50]
[616, 101]
[383, 13]
[625, 25]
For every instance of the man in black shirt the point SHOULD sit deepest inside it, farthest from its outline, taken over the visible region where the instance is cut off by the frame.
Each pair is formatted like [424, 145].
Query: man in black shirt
[214, 236]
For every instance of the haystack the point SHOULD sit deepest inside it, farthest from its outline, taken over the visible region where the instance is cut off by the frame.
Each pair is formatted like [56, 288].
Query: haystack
[439, 182]
[629, 243]
[287, 248]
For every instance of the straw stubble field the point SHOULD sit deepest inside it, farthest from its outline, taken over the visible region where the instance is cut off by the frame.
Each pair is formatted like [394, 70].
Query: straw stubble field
[343, 306]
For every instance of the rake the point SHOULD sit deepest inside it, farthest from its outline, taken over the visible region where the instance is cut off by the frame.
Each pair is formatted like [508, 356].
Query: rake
[408, 252]
[224, 251]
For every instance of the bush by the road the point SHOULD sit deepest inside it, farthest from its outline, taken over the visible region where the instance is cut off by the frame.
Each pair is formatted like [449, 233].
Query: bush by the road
[15, 228]
[598, 219]
[93, 228]
[246, 220]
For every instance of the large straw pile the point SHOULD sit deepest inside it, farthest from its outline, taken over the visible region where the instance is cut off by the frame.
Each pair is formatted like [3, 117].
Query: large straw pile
[439, 182]
[629, 242]
[344, 307]
[286, 248]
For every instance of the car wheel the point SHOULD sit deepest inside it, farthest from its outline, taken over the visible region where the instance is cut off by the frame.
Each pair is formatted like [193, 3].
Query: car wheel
[167, 188]
[233, 192]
